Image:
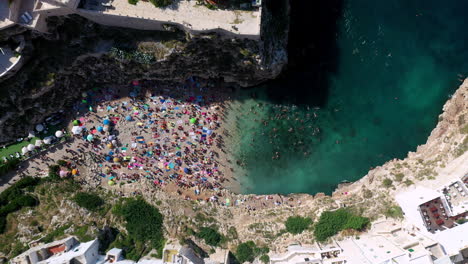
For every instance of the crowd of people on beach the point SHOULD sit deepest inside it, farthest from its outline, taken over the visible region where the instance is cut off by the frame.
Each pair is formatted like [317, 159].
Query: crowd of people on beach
[166, 136]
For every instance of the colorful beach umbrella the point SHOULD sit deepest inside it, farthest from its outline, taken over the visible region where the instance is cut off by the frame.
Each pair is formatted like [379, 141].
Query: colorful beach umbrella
[38, 143]
[63, 173]
[39, 127]
[106, 122]
[76, 122]
[24, 150]
[90, 137]
[47, 140]
[59, 133]
[76, 130]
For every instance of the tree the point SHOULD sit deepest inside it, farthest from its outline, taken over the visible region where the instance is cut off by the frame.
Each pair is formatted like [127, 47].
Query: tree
[332, 222]
[245, 252]
[297, 224]
[265, 259]
[248, 251]
[210, 235]
[161, 3]
[144, 224]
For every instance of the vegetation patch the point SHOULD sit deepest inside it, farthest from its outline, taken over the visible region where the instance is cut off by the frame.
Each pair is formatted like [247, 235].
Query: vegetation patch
[332, 222]
[161, 3]
[211, 236]
[144, 224]
[137, 56]
[297, 224]
[248, 251]
[399, 177]
[8, 166]
[394, 211]
[387, 183]
[14, 198]
[90, 201]
[464, 130]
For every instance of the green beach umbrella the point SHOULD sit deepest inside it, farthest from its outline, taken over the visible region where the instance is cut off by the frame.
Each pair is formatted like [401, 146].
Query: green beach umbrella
[76, 122]
[193, 120]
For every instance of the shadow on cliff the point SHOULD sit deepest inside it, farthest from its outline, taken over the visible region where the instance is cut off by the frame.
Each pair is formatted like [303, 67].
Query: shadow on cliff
[313, 53]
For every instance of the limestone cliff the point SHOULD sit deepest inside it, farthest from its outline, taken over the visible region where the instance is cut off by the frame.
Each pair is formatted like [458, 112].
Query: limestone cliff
[80, 55]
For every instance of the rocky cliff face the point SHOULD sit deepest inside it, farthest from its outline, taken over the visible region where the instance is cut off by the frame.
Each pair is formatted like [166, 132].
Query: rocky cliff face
[80, 55]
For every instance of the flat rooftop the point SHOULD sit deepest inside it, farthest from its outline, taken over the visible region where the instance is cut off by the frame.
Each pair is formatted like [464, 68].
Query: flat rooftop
[187, 13]
[7, 59]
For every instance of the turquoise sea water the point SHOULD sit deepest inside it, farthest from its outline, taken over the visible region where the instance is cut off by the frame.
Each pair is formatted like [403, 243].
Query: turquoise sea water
[397, 62]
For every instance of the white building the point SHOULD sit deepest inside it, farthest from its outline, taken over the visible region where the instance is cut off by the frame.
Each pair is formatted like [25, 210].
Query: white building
[64, 251]
[317, 254]
[186, 15]
[177, 254]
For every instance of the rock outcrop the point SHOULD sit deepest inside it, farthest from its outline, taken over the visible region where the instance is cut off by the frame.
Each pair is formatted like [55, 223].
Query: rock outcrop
[80, 55]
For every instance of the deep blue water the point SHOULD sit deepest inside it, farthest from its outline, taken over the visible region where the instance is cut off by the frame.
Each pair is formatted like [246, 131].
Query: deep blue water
[367, 82]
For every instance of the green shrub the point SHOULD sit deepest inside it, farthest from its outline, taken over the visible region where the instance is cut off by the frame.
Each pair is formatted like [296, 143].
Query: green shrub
[144, 225]
[161, 3]
[210, 235]
[408, 182]
[26, 200]
[56, 233]
[90, 201]
[461, 221]
[297, 224]
[265, 259]
[394, 212]
[387, 183]
[399, 177]
[8, 166]
[464, 130]
[13, 199]
[330, 223]
[54, 173]
[245, 252]
[133, 2]
[248, 251]
[62, 163]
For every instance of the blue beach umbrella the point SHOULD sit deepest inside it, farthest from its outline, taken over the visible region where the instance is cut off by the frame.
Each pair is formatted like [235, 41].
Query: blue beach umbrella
[106, 122]
[108, 158]
[100, 128]
[128, 118]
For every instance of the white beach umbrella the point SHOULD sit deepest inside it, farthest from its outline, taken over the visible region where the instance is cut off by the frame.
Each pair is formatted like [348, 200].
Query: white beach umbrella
[24, 150]
[76, 130]
[47, 140]
[31, 134]
[39, 127]
[38, 143]
[59, 133]
[31, 147]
